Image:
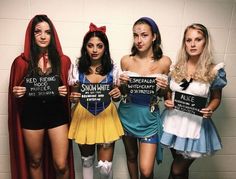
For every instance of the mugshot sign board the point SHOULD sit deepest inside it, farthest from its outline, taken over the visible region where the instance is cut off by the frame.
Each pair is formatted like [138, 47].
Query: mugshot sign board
[37, 86]
[95, 92]
[142, 85]
[189, 103]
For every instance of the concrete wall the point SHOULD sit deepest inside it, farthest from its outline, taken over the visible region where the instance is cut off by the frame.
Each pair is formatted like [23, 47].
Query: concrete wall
[72, 17]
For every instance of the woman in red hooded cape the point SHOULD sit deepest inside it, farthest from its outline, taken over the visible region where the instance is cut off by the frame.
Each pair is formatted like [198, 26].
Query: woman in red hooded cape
[21, 163]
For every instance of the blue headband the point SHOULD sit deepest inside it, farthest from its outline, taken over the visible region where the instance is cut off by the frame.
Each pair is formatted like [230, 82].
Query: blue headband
[151, 22]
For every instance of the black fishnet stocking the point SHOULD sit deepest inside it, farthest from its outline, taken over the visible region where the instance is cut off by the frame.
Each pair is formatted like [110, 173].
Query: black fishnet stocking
[180, 166]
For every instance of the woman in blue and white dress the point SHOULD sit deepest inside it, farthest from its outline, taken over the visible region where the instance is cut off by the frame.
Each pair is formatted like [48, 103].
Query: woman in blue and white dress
[191, 136]
[95, 124]
[139, 113]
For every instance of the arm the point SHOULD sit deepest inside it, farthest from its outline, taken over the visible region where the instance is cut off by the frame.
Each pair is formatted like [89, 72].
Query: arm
[19, 91]
[65, 66]
[163, 81]
[124, 63]
[214, 103]
[115, 94]
[217, 85]
[168, 100]
[124, 67]
[18, 72]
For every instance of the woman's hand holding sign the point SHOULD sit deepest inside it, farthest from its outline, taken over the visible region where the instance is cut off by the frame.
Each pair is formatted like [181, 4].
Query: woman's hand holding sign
[162, 83]
[62, 90]
[169, 104]
[74, 97]
[115, 94]
[124, 78]
[207, 112]
[19, 91]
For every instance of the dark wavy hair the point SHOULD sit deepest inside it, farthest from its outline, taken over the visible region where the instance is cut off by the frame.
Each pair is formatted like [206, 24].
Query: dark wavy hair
[85, 61]
[157, 51]
[53, 54]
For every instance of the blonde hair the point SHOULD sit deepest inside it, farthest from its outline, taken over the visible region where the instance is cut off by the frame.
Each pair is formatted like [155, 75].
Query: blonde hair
[204, 72]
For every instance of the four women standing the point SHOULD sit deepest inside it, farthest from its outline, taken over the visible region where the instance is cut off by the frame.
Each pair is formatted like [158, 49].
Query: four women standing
[97, 123]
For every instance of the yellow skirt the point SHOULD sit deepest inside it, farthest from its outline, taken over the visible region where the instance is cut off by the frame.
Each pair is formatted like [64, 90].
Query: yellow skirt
[85, 128]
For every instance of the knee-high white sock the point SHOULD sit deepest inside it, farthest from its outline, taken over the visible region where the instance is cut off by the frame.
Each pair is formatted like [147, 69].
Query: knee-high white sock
[87, 163]
[88, 172]
[105, 169]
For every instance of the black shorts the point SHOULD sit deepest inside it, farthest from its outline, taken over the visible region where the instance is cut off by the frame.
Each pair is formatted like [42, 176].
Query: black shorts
[44, 113]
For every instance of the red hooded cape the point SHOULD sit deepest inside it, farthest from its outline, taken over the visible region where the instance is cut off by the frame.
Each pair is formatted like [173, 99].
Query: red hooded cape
[19, 168]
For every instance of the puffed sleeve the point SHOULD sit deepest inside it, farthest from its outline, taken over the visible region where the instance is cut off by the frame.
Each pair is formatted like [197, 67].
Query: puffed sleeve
[73, 74]
[220, 80]
[116, 74]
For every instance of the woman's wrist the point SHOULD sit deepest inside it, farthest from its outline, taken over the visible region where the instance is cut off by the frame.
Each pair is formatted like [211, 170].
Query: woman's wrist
[116, 99]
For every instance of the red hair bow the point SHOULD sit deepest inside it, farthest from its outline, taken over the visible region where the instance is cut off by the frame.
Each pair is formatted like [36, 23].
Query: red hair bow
[93, 28]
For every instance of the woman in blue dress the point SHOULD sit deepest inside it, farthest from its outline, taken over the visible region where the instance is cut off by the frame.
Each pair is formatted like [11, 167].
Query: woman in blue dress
[139, 113]
[191, 136]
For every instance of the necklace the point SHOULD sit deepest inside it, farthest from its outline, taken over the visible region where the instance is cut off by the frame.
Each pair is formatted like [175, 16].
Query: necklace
[96, 70]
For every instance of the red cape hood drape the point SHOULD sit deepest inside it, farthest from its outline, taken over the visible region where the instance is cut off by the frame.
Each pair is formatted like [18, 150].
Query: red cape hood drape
[18, 160]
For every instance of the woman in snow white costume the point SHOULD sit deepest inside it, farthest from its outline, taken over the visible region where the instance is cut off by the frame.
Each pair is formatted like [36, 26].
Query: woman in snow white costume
[95, 123]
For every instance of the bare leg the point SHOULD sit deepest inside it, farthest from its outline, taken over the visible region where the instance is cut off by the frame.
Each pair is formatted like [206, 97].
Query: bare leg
[131, 149]
[34, 144]
[60, 147]
[147, 153]
[106, 153]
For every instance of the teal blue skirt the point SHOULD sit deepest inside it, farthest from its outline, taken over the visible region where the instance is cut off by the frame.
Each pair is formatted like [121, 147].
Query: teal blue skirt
[140, 122]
